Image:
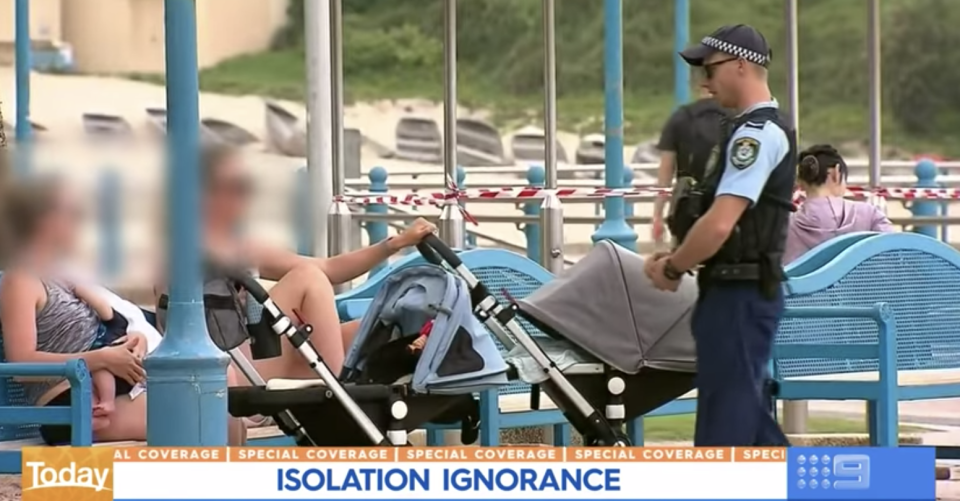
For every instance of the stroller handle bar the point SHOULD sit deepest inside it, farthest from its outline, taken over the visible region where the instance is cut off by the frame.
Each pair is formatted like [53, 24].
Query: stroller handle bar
[435, 251]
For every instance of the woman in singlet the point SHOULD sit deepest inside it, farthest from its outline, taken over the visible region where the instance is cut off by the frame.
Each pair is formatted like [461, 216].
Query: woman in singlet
[304, 288]
[43, 321]
[825, 214]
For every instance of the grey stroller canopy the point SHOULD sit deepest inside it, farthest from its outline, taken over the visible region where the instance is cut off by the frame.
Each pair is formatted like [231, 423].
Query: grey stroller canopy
[607, 306]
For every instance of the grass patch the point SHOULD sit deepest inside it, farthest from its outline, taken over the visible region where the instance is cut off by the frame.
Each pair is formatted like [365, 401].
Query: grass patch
[680, 428]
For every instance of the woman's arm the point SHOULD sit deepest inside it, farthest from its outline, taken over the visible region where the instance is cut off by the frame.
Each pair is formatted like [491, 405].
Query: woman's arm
[274, 263]
[20, 298]
[99, 304]
[881, 222]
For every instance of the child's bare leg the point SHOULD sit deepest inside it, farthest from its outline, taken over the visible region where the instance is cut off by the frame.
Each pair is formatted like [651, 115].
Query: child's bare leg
[104, 398]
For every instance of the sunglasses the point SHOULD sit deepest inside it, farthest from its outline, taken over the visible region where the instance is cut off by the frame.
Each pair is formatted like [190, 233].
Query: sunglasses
[709, 70]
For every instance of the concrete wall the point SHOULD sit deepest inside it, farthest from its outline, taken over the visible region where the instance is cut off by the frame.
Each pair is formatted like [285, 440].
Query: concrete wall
[45, 24]
[44, 20]
[126, 36]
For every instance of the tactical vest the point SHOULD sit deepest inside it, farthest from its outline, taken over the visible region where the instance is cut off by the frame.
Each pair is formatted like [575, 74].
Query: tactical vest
[754, 250]
[226, 321]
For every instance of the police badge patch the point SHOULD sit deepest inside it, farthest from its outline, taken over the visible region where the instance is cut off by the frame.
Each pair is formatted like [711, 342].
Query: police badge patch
[744, 152]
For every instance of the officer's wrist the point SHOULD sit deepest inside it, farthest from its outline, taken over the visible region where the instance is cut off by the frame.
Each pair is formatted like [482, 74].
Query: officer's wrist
[671, 272]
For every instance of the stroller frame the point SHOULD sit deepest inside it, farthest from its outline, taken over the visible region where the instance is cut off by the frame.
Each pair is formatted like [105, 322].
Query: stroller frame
[299, 338]
[598, 429]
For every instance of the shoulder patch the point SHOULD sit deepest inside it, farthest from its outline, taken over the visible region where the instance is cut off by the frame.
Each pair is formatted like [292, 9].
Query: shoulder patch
[744, 152]
[755, 125]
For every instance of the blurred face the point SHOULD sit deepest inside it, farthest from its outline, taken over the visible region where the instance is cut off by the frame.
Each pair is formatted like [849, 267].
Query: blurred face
[60, 226]
[228, 191]
[722, 74]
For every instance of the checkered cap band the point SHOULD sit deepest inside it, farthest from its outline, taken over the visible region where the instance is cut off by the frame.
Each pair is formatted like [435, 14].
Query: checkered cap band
[735, 50]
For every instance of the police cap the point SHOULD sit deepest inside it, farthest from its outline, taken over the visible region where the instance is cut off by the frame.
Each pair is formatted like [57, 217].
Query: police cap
[741, 40]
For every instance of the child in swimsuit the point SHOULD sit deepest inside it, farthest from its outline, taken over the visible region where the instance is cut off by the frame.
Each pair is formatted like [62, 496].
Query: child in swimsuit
[113, 327]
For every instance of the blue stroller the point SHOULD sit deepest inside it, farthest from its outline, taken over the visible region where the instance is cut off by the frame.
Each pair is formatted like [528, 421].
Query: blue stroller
[419, 356]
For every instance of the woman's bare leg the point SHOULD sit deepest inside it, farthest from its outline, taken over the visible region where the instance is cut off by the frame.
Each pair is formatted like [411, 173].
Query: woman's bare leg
[129, 420]
[308, 292]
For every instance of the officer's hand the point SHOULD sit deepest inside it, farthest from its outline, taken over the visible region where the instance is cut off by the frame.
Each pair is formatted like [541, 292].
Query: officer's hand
[660, 281]
[651, 261]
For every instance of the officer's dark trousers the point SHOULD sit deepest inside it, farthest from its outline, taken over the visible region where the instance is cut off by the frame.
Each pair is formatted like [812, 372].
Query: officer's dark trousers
[734, 327]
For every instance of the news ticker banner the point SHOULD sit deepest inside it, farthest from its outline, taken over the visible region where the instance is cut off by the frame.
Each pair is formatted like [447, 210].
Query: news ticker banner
[501, 473]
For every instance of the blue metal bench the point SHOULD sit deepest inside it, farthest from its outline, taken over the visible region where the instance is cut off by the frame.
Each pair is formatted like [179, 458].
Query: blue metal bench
[880, 322]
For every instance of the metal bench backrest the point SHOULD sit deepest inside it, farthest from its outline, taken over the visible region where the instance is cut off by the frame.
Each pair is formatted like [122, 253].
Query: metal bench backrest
[919, 277]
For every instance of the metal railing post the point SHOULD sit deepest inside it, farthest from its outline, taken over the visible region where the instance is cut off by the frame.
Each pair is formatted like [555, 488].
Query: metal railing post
[535, 178]
[377, 231]
[109, 210]
[302, 219]
[926, 172]
[22, 51]
[614, 226]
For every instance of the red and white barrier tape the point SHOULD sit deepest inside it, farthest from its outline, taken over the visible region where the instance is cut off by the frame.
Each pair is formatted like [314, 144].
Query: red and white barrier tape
[453, 194]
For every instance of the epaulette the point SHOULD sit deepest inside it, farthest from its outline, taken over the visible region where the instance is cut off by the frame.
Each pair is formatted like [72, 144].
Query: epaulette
[755, 125]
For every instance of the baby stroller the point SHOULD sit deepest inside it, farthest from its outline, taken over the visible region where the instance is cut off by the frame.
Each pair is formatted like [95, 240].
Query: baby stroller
[418, 357]
[636, 349]
[633, 344]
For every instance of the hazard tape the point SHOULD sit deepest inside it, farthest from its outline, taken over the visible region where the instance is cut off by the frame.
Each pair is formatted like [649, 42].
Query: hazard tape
[455, 196]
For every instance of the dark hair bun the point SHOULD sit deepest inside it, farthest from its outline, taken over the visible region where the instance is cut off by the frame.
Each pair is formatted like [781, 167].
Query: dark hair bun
[816, 161]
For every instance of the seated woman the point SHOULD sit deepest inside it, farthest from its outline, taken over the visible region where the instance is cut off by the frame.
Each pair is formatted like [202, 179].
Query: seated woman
[43, 321]
[825, 214]
[304, 288]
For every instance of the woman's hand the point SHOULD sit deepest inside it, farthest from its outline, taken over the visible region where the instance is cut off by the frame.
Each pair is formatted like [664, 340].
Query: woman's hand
[134, 342]
[121, 362]
[413, 234]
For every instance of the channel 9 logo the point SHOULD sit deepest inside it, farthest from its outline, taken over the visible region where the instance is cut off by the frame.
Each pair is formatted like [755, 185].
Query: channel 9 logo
[843, 472]
[67, 474]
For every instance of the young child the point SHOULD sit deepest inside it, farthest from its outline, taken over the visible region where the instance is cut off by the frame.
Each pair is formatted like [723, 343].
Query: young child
[113, 327]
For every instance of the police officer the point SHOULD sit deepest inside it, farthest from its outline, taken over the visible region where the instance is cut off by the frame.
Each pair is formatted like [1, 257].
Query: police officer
[732, 231]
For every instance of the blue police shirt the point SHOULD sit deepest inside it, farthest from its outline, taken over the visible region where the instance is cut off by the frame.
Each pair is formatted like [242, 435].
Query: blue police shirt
[754, 150]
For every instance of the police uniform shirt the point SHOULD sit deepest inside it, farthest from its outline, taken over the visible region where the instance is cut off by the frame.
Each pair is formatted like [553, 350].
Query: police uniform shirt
[754, 151]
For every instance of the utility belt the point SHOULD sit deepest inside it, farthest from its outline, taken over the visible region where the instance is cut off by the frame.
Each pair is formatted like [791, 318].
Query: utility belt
[766, 273]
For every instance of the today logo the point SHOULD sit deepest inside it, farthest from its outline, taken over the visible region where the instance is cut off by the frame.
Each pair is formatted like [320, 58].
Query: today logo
[74, 473]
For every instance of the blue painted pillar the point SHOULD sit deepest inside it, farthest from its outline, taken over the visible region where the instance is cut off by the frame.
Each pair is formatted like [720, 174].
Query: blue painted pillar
[302, 220]
[681, 38]
[926, 172]
[614, 227]
[377, 231]
[22, 49]
[108, 196]
[536, 177]
[187, 382]
[628, 181]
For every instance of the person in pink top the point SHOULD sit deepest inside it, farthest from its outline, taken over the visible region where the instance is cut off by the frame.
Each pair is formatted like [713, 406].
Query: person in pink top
[825, 214]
